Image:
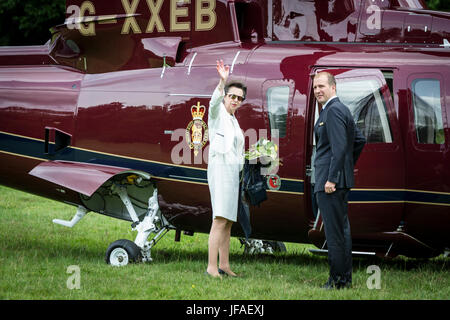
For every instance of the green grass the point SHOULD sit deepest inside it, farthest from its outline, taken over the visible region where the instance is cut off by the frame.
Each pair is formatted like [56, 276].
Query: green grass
[35, 255]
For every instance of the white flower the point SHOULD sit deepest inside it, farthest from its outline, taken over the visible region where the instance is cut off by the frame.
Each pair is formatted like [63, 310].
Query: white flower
[266, 152]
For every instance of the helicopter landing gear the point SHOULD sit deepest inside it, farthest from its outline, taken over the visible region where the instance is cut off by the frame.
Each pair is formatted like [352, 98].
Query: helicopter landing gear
[255, 246]
[122, 252]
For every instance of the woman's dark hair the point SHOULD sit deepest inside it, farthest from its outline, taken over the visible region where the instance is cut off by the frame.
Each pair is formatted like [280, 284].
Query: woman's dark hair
[238, 85]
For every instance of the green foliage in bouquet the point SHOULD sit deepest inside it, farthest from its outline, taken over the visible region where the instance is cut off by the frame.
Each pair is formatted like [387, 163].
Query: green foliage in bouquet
[266, 152]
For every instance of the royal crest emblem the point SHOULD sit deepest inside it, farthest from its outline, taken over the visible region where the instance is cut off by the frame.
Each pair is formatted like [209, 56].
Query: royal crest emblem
[197, 129]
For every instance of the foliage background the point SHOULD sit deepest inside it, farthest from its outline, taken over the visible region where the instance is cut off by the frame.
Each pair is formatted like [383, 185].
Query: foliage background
[27, 22]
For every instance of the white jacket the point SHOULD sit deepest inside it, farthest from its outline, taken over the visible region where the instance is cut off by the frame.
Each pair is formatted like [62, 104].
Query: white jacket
[220, 125]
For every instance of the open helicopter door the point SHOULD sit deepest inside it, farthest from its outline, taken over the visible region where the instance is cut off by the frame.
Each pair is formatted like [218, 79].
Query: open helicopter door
[379, 173]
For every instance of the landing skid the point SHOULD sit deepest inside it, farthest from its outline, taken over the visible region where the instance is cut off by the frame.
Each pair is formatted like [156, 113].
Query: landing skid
[324, 252]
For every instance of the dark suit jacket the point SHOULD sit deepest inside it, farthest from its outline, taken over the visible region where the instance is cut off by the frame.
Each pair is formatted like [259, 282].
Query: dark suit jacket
[338, 146]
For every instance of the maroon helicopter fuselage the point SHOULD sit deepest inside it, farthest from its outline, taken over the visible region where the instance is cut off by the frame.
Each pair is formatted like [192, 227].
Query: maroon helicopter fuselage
[119, 99]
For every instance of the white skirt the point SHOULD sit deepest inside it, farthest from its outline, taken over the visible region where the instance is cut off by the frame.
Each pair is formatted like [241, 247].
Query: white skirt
[223, 182]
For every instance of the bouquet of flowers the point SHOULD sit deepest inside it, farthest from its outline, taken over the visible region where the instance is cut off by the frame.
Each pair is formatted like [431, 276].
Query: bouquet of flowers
[266, 152]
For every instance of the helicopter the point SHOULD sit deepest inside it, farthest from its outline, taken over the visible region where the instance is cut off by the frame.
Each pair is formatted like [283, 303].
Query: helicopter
[109, 116]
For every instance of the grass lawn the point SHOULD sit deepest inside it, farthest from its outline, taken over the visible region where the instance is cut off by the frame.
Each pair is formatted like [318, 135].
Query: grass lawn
[36, 255]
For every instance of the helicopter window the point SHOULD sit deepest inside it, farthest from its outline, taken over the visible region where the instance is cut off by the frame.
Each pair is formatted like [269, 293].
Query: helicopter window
[366, 103]
[428, 111]
[278, 103]
[249, 20]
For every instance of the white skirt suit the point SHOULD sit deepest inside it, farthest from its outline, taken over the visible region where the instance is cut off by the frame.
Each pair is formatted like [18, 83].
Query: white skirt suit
[225, 158]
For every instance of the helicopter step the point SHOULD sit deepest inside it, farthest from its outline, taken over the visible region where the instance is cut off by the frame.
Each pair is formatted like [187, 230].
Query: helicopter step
[81, 212]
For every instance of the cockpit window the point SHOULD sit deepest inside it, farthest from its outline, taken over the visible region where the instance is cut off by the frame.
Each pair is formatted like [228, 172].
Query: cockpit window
[428, 111]
[365, 101]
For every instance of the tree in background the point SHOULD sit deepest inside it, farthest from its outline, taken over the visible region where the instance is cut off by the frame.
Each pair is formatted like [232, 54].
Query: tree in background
[27, 22]
[440, 5]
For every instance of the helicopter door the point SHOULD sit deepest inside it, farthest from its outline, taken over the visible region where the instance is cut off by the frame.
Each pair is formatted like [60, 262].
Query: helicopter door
[427, 147]
[379, 172]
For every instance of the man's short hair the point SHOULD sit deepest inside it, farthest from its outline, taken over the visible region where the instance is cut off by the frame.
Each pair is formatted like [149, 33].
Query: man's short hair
[330, 77]
[238, 85]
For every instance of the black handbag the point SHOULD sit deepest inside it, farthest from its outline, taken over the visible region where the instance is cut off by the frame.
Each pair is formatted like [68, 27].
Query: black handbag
[254, 184]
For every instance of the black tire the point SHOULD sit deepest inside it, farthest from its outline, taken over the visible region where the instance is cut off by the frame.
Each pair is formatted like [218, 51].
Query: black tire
[277, 246]
[121, 252]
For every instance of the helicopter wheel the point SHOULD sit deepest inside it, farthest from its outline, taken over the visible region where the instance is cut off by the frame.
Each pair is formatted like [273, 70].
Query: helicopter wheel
[254, 246]
[277, 246]
[122, 252]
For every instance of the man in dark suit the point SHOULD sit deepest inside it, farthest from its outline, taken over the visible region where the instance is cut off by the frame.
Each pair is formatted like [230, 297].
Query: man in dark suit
[338, 146]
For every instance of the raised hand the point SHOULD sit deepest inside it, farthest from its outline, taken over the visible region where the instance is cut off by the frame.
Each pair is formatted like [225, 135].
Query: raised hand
[224, 71]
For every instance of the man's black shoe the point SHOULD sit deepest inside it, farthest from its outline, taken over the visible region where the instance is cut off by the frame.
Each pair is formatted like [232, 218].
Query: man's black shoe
[330, 285]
